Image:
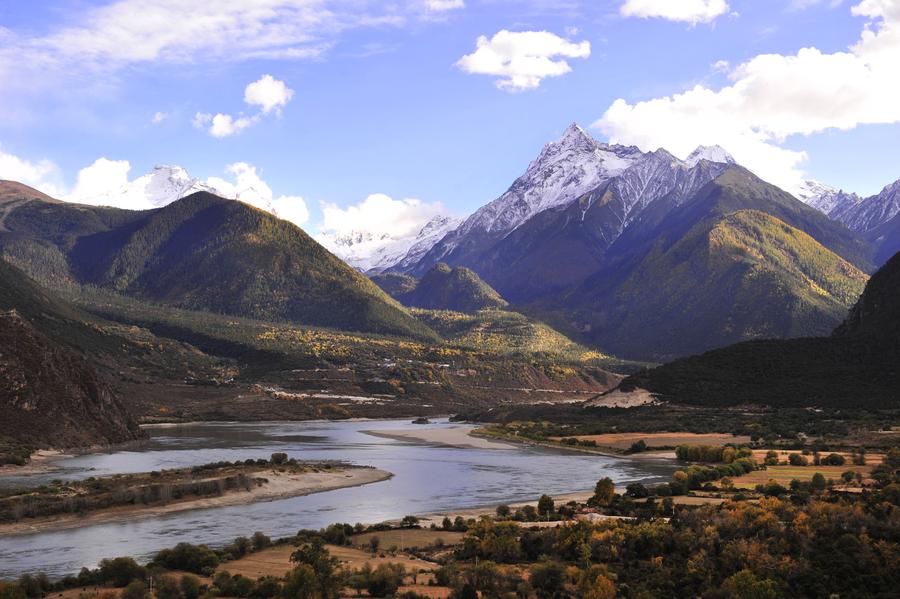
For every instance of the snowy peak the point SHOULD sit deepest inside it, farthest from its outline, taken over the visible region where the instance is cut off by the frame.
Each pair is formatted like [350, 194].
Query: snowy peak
[564, 170]
[374, 252]
[710, 153]
[862, 215]
[160, 187]
[825, 198]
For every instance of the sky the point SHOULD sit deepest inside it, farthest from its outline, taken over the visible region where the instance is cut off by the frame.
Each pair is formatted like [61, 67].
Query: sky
[367, 114]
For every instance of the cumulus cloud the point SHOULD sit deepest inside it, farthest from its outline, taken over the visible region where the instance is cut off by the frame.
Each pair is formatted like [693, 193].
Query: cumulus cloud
[102, 177]
[689, 11]
[105, 182]
[43, 175]
[522, 59]
[159, 117]
[381, 216]
[248, 187]
[774, 96]
[268, 93]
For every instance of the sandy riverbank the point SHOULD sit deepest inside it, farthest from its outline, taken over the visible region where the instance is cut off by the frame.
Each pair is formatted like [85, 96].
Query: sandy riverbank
[280, 486]
[41, 461]
[455, 436]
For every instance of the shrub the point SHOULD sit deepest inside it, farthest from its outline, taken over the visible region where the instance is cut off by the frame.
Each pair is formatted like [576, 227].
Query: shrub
[833, 459]
[638, 446]
[637, 490]
[795, 459]
[197, 559]
[135, 590]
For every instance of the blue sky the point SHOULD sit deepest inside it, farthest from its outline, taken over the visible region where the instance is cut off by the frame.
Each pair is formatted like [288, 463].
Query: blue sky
[381, 104]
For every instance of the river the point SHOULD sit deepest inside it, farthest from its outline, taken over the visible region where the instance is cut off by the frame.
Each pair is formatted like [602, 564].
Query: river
[428, 478]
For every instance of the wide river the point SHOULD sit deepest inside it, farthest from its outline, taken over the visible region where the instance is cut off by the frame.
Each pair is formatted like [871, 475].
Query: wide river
[428, 478]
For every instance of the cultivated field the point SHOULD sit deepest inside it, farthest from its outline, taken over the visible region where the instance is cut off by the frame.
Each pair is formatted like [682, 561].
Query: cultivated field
[624, 440]
[408, 539]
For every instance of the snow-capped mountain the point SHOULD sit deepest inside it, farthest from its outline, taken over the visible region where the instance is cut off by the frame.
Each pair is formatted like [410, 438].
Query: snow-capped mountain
[711, 153]
[160, 187]
[570, 169]
[564, 170]
[825, 198]
[430, 234]
[373, 253]
[865, 215]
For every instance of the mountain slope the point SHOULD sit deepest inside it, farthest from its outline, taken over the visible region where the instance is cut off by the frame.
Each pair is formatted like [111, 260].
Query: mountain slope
[857, 367]
[561, 247]
[564, 170]
[740, 260]
[865, 215]
[886, 239]
[50, 396]
[202, 252]
[458, 289]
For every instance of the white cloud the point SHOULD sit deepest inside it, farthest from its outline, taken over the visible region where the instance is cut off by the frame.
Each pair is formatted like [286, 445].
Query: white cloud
[225, 125]
[43, 175]
[443, 5]
[268, 93]
[380, 215]
[522, 59]
[106, 183]
[101, 177]
[772, 97]
[689, 11]
[248, 187]
[159, 117]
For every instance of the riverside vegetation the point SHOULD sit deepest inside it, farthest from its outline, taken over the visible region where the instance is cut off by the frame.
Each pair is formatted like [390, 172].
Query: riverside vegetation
[807, 539]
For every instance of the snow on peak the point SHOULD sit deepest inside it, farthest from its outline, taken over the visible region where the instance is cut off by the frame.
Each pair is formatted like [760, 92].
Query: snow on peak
[825, 198]
[374, 252]
[564, 170]
[864, 215]
[710, 153]
[160, 187]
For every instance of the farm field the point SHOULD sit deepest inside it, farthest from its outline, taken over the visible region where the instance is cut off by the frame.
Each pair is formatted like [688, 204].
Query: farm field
[408, 539]
[624, 440]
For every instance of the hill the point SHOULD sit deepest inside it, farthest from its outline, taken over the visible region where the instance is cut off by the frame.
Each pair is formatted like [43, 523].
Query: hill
[740, 260]
[205, 253]
[858, 366]
[458, 289]
[50, 395]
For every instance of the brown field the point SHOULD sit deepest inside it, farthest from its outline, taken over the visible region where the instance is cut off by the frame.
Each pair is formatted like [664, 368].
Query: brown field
[408, 539]
[624, 440]
[427, 591]
[276, 561]
[785, 474]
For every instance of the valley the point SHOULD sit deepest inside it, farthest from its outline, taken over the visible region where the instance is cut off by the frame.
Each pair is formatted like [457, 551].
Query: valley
[691, 342]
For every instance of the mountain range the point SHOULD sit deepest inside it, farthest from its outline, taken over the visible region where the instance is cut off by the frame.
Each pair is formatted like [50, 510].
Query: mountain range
[201, 252]
[651, 257]
[641, 254]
